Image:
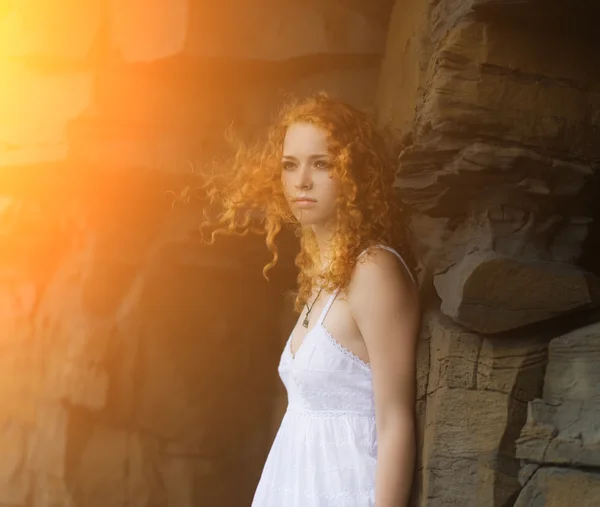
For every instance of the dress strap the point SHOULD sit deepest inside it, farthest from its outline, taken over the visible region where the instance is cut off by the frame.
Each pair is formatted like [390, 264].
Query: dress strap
[390, 249]
[327, 307]
[336, 291]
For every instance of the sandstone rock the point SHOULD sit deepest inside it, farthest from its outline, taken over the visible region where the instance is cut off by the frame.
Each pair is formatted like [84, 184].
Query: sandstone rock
[144, 32]
[130, 384]
[483, 169]
[512, 366]
[477, 394]
[51, 491]
[103, 355]
[406, 58]
[16, 301]
[453, 356]
[85, 385]
[563, 428]
[557, 487]
[191, 112]
[499, 168]
[429, 323]
[118, 468]
[101, 473]
[33, 127]
[57, 31]
[504, 215]
[74, 343]
[21, 380]
[75, 329]
[15, 480]
[476, 66]
[490, 293]
[47, 452]
[526, 472]
[179, 475]
[465, 464]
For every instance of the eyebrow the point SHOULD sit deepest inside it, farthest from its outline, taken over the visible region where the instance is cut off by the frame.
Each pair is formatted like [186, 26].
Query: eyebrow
[311, 157]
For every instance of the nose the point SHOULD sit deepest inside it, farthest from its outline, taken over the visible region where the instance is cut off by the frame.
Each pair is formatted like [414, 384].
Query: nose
[304, 177]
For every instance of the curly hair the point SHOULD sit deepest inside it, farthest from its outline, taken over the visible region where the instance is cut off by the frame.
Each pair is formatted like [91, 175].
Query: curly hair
[368, 210]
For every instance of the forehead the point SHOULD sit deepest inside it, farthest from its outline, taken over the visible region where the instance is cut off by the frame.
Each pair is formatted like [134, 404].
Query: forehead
[305, 139]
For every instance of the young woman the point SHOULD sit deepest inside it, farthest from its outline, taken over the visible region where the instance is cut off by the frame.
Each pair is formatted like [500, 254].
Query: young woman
[347, 438]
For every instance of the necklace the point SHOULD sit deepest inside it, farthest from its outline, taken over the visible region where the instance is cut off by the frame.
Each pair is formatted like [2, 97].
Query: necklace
[309, 309]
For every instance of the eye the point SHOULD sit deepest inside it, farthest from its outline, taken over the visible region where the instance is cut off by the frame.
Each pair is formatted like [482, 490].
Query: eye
[287, 165]
[322, 164]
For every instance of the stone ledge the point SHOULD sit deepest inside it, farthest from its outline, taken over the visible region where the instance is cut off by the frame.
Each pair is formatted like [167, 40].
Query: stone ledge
[563, 428]
[559, 487]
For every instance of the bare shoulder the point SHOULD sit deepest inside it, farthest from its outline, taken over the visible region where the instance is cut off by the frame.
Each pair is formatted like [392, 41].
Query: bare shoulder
[380, 274]
[385, 305]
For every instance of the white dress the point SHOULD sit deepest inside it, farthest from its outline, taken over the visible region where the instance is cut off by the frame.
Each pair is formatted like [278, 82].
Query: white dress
[325, 452]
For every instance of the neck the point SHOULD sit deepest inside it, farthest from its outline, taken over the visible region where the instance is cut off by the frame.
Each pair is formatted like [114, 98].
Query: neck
[323, 235]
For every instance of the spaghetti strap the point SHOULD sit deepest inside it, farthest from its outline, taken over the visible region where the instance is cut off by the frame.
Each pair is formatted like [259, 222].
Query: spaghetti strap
[327, 307]
[390, 249]
[336, 291]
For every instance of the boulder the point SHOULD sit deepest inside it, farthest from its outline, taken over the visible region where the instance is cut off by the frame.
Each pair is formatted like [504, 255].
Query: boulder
[489, 293]
[563, 427]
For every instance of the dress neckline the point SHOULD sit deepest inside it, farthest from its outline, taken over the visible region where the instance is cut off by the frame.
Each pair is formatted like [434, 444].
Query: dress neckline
[329, 337]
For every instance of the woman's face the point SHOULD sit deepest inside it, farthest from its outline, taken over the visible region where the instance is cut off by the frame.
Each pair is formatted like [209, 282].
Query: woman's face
[309, 187]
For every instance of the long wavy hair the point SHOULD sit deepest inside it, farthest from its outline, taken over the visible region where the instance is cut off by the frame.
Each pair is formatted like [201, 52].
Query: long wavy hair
[250, 195]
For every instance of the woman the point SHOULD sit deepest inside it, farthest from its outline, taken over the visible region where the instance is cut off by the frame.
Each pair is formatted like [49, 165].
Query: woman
[347, 438]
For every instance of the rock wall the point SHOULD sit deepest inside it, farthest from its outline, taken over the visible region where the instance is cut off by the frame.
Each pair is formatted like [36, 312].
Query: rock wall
[497, 106]
[137, 367]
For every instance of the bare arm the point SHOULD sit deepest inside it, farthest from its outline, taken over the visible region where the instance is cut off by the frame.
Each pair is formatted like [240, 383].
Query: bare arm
[385, 305]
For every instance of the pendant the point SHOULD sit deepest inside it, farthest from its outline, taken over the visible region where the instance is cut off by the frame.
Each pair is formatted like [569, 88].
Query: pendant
[305, 321]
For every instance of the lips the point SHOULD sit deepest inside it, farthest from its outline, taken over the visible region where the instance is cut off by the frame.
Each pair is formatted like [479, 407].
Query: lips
[304, 202]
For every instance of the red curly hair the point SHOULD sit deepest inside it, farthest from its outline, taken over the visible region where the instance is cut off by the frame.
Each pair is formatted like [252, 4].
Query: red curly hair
[368, 211]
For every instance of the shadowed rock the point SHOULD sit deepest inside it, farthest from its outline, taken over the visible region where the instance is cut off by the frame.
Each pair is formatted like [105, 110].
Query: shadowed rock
[563, 428]
[490, 293]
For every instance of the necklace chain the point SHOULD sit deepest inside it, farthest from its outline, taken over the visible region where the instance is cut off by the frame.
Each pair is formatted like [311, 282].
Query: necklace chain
[309, 308]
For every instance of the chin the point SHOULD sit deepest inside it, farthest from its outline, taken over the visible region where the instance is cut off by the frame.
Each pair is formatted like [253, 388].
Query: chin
[312, 217]
[308, 220]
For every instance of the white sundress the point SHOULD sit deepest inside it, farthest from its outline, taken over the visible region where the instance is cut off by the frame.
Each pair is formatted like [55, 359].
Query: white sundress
[325, 452]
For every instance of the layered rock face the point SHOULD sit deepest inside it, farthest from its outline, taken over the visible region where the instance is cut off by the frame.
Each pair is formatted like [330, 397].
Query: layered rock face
[497, 106]
[137, 366]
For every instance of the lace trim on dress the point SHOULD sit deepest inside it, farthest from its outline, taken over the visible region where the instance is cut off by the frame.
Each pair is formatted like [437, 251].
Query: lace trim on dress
[344, 350]
[328, 414]
[362, 494]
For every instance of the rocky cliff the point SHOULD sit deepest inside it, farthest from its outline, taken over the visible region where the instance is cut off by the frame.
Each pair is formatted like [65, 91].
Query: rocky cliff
[497, 104]
[137, 367]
